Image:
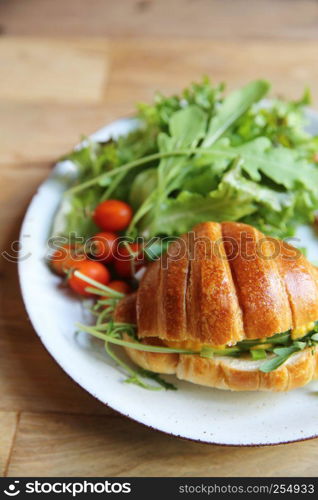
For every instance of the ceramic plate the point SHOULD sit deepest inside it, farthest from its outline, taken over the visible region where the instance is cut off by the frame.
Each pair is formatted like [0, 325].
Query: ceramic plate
[192, 412]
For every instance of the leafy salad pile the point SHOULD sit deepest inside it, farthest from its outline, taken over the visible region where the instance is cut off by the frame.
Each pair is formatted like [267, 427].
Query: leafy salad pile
[203, 156]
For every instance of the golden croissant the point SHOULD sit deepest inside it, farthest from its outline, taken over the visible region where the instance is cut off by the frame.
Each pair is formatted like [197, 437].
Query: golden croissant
[225, 291]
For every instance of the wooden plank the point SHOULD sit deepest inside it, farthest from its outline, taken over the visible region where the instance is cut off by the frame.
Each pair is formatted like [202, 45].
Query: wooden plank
[8, 422]
[169, 65]
[55, 445]
[58, 71]
[40, 131]
[180, 18]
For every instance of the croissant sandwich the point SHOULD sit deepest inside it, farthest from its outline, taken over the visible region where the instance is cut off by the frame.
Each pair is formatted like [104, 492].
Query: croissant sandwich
[230, 308]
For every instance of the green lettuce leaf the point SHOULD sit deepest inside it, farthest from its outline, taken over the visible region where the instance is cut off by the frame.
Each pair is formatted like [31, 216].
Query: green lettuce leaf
[234, 199]
[233, 106]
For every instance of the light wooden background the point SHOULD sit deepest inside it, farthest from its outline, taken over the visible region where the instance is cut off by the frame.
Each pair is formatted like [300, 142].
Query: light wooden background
[67, 68]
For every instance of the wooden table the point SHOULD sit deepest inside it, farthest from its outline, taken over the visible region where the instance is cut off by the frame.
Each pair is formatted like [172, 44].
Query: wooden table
[54, 88]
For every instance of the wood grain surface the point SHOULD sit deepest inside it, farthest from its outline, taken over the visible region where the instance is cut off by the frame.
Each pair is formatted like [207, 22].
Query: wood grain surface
[53, 88]
[178, 18]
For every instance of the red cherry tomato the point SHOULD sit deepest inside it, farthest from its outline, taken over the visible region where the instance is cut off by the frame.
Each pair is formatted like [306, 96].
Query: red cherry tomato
[65, 258]
[103, 246]
[118, 286]
[129, 259]
[94, 270]
[112, 215]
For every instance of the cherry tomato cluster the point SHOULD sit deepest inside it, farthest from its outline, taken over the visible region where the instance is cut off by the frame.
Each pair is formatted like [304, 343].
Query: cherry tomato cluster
[108, 258]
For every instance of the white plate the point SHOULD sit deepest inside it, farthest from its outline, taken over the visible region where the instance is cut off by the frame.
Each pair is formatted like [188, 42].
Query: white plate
[192, 412]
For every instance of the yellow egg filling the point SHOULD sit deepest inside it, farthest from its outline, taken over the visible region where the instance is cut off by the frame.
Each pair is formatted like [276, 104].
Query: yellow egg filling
[295, 333]
[301, 331]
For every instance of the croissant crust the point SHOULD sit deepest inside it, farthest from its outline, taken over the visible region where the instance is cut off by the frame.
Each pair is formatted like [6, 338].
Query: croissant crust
[222, 283]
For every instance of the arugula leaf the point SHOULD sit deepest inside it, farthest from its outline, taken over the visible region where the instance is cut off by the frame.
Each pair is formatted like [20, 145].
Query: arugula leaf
[210, 352]
[234, 199]
[280, 338]
[187, 126]
[179, 215]
[282, 355]
[157, 378]
[284, 167]
[253, 152]
[233, 106]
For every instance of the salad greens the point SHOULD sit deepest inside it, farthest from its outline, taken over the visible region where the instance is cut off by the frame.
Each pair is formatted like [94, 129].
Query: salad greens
[203, 156]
